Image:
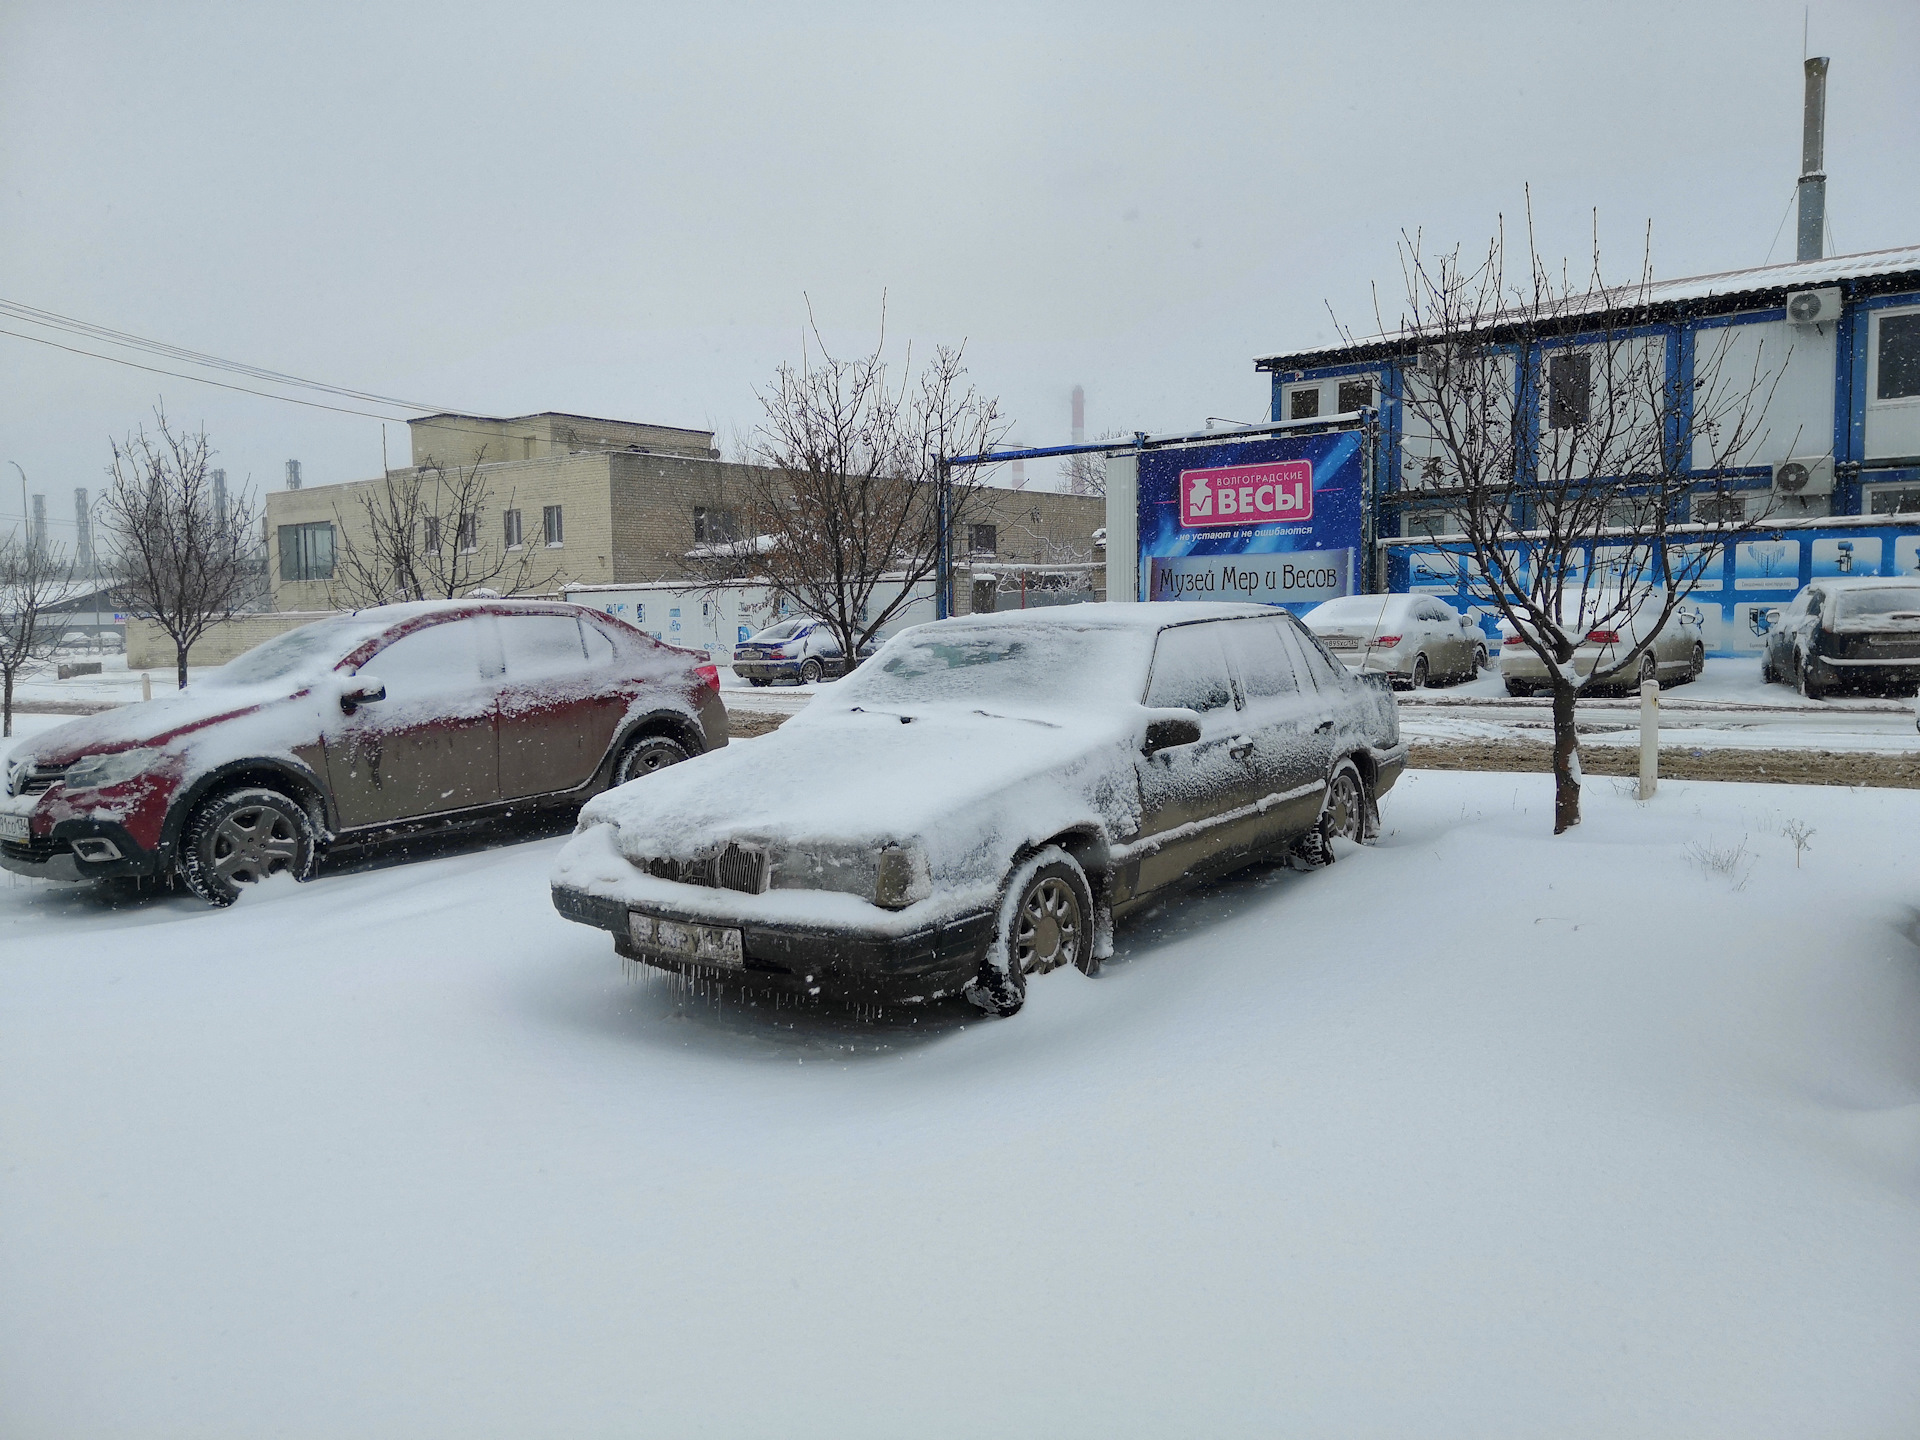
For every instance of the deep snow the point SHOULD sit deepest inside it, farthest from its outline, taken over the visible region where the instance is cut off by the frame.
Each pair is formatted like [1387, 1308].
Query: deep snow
[1478, 1132]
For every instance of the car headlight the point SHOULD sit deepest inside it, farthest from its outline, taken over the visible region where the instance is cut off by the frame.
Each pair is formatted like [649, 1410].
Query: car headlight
[90, 772]
[901, 877]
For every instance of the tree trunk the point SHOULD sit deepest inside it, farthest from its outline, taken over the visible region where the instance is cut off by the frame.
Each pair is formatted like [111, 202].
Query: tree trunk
[6, 707]
[180, 663]
[1566, 759]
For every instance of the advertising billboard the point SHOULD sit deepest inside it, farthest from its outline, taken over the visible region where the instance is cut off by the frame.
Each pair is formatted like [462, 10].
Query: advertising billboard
[1274, 519]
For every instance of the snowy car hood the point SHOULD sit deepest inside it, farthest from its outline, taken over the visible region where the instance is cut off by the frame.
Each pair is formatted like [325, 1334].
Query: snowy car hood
[965, 786]
[154, 722]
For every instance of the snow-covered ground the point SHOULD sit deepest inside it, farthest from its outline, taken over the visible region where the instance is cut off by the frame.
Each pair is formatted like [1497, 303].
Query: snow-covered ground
[1477, 1133]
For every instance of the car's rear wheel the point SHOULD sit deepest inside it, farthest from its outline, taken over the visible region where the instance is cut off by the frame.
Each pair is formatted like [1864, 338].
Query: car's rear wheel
[1698, 667]
[644, 754]
[1519, 688]
[1343, 816]
[1418, 680]
[811, 672]
[757, 680]
[1045, 921]
[241, 838]
[1649, 670]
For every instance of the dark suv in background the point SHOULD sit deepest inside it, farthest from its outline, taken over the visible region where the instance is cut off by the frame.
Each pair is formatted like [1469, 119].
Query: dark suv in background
[402, 717]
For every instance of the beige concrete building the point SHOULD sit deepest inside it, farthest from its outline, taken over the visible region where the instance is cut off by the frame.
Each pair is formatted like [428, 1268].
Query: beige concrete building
[578, 500]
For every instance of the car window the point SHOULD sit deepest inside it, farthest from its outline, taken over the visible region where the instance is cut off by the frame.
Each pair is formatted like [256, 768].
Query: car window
[1865, 604]
[599, 645]
[1814, 597]
[439, 660]
[1189, 670]
[1263, 657]
[1312, 660]
[540, 647]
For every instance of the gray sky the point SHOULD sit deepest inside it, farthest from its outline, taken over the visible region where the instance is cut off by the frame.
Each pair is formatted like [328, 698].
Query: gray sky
[616, 209]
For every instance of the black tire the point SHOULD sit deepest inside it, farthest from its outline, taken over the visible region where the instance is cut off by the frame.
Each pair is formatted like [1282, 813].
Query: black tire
[1768, 675]
[1346, 813]
[1805, 683]
[1699, 665]
[1480, 661]
[1047, 925]
[242, 837]
[1519, 689]
[645, 754]
[812, 672]
[1649, 670]
[1418, 680]
[757, 681]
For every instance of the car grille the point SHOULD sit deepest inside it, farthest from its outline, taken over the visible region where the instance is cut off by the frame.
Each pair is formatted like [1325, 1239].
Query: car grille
[738, 867]
[35, 779]
[39, 849]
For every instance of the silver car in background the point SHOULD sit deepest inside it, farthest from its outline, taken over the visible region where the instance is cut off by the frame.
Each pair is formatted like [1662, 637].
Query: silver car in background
[1413, 640]
[1613, 628]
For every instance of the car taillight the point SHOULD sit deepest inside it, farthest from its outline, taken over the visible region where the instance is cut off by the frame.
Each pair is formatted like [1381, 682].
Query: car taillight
[709, 676]
[1513, 640]
[1604, 637]
[1387, 642]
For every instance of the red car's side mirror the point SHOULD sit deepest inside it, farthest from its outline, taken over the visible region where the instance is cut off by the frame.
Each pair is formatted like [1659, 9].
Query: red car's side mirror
[363, 692]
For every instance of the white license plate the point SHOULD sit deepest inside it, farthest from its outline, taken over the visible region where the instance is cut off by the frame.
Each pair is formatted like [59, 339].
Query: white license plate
[703, 944]
[13, 827]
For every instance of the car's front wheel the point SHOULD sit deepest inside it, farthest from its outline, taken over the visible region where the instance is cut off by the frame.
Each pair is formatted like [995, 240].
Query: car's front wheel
[241, 838]
[1418, 680]
[1804, 682]
[644, 754]
[812, 672]
[1045, 921]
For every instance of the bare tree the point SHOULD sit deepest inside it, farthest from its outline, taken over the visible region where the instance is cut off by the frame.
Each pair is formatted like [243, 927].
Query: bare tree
[189, 559]
[1541, 425]
[1086, 474]
[841, 504]
[431, 533]
[32, 577]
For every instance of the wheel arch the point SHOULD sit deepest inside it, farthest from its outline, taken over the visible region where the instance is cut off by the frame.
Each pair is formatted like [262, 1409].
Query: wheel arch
[288, 776]
[674, 724]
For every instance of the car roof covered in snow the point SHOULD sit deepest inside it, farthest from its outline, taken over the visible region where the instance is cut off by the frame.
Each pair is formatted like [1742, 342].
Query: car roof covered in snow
[1865, 582]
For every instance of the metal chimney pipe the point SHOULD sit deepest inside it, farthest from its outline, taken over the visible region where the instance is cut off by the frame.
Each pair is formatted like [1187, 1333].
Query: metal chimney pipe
[38, 538]
[220, 499]
[1813, 162]
[1079, 415]
[83, 529]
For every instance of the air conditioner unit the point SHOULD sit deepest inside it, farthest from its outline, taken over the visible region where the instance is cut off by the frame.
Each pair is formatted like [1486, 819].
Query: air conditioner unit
[1813, 307]
[1797, 479]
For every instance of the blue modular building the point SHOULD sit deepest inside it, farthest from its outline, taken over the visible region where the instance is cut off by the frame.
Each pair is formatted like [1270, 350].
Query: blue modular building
[1835, 467]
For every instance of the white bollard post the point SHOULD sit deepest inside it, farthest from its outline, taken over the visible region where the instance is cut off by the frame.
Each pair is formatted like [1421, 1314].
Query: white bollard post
[146, 686]
[1649, 738]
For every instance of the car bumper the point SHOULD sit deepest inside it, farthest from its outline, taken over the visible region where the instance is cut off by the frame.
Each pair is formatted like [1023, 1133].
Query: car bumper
[1518, 662]
[843, 961]
[76, 850]
[766, 669]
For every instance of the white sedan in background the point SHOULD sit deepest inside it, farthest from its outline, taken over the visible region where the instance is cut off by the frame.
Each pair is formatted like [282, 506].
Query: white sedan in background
[1411, 639]
[1677, 654]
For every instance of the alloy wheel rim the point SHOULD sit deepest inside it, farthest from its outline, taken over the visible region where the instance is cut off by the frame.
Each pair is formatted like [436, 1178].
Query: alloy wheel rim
[253, 843]
[1343, 810]
[1047, 929]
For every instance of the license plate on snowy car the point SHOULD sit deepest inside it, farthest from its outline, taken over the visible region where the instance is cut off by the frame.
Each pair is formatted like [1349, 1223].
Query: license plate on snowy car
[703, 944]
[13, 827]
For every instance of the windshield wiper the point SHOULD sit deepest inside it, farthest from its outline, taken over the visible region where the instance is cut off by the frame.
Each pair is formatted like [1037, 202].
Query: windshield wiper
[1023, 719]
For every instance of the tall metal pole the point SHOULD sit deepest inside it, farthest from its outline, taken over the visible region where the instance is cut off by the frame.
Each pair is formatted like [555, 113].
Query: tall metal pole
[943, 560]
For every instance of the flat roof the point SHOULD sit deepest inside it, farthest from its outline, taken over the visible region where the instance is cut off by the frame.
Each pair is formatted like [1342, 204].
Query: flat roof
[551, 415]
[1696, 294]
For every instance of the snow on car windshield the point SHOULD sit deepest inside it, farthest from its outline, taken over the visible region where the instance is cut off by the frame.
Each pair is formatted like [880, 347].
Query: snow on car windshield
[785, 630]
[1013, 667]
[309, 650]
[1894, 601]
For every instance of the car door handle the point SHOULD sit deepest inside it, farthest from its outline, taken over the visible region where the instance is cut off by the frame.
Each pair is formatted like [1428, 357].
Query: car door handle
[1241, 748]
[1325, 727]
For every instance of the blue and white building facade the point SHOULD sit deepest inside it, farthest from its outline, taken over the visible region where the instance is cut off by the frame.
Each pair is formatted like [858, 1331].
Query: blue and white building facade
[1835, 465]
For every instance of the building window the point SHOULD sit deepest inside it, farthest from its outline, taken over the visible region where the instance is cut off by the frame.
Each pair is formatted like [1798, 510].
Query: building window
[1304, 403]
[306, 551]
[431, 539]
[1569, 390]
[1899, 358]
[712, 526]
[1893, 499]
[512, 527]
[1720, 509]
[1356, 394]
[551, 521]
[981, 540]
[469, 534]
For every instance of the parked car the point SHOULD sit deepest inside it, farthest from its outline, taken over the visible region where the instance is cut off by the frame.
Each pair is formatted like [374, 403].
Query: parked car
[406, 716]
[1677, 654]
[1414, 639]
[980, 801]
[802, 650]
[1861, 630]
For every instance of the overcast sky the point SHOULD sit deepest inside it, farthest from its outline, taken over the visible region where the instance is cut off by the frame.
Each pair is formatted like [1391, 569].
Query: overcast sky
[617, 210]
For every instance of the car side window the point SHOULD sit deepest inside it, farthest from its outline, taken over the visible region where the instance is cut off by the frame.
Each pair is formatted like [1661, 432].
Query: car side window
[439, 660]
[1190, 670]
[1328, 674]
[1264, 659]
[599, 646]
[541, 647]
[1814, 597]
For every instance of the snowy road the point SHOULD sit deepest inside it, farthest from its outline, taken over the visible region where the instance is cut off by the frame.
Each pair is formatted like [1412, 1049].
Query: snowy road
[1588, 1137]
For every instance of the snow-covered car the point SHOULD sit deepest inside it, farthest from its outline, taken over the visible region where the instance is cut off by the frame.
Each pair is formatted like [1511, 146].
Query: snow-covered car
[1860, 630]
[1415, 639]
[1614, 626]
[978, 802]
[802, 650]
[401, 717]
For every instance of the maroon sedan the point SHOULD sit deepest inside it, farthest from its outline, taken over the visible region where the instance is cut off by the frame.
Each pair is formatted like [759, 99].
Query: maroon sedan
[402, 717]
